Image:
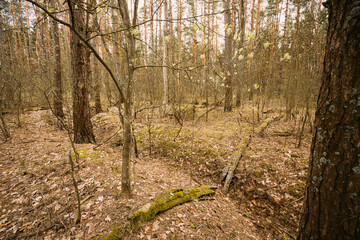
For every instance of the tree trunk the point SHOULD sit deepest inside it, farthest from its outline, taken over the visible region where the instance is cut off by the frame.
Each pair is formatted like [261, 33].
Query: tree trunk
[29, 34]
[166, 39]
[241, 24]
[193, 6]
[97, 80]
[274, 39]
[332, 201]
[228, 65]
[83, 132]
[130, 53]
[25, 41]
[257, 25]
[58, 98]
[285, 23]
[179, 46]
[252, 31]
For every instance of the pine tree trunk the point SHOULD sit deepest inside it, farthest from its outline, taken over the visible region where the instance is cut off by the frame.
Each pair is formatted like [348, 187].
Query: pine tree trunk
[332, 201]
[83, 132]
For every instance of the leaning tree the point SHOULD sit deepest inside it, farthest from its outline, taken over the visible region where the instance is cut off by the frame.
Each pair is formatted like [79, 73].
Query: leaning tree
[332, 201]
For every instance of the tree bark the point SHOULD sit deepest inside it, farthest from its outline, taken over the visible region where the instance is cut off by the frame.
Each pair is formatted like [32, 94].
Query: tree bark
[97, 80]
[130, 53]
[83, 132]
[58, 96]
[166, 48]
[228, 52]
[332, 201]
[241, 24]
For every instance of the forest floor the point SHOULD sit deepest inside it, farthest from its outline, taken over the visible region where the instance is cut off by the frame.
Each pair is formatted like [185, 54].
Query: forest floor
[264, 202]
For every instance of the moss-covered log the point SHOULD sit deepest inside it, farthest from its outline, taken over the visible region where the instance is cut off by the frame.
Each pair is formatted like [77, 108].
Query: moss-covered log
[165, 201]
[228, 172]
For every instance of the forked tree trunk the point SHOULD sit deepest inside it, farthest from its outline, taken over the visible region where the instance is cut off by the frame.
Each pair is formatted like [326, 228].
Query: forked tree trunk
[83, 132]
[332, 201]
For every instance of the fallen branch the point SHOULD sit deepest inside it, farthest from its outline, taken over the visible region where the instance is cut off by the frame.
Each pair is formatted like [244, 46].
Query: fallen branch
[228, 172]
[202, 115]
[145, 108]
[165, 201]
[75, 166]
[78, 218]
[209, 110]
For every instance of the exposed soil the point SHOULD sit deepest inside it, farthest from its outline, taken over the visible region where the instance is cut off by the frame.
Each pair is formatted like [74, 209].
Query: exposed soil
[38, 200]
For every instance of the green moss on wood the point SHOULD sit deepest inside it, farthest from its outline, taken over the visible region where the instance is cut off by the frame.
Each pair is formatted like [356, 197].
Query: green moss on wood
[117, 232]
[165, 201]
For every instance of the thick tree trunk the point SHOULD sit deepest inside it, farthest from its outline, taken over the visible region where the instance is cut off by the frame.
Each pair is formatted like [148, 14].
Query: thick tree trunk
[83, 132]
[332, 201]
[58, 98]
[228, 52]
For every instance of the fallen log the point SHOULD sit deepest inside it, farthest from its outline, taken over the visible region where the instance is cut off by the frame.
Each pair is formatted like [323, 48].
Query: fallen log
[228, 171]
[165, 201]
[282, 134]
[267, 123]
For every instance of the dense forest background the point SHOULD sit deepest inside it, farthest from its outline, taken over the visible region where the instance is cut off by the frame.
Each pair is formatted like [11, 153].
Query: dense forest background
[187, 52]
